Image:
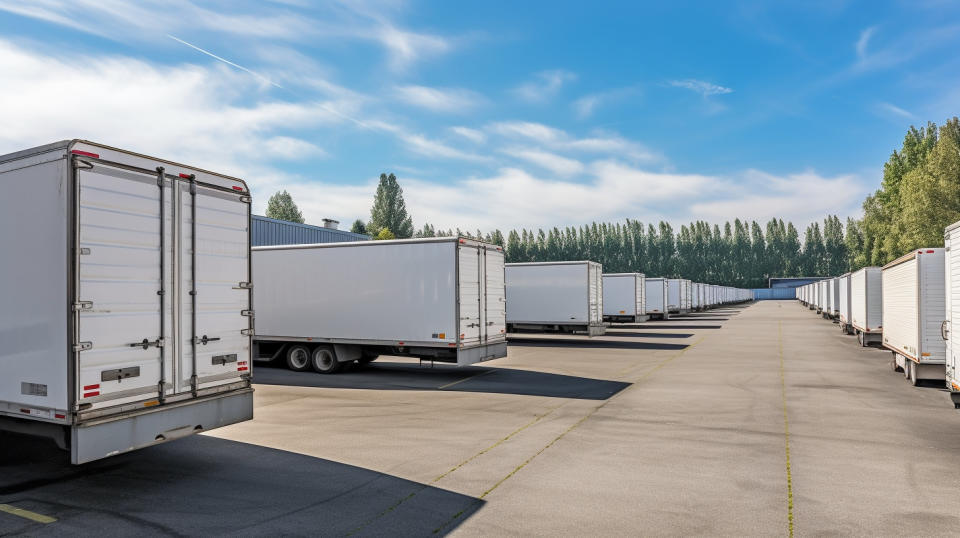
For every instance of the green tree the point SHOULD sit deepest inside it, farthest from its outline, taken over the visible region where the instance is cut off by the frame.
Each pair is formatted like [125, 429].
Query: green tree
[281, 206]
[358, 227]
[389, 210]
[427, 231]
[930, 193]
[383, 234]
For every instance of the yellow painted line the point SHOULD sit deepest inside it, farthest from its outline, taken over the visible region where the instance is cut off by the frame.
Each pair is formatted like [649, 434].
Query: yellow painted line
[26, 514]
[448, 385]
[786, 428]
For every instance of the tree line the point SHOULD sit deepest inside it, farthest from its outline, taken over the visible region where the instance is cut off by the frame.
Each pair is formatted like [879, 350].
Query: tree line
[918, 197]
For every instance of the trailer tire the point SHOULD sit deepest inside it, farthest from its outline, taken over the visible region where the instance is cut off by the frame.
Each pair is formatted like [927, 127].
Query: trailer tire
[298, 358]
[324, 360]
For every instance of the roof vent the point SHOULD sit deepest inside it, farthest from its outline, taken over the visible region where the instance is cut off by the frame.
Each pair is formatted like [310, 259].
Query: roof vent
[330, 223]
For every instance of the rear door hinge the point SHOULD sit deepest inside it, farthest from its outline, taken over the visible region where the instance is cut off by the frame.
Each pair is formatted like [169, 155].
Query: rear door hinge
[82, 305]
[246, 332]
[243, 286]
[82, 346]
[247, 313]
[246, 199]
[85, 165]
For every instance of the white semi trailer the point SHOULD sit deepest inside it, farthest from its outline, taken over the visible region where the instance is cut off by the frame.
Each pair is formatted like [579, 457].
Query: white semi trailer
[914, 306]
[866, 305]
[555, 296]
[656, 298]
[952, 310]
[843, 313]
[125, 309]
[624, 297]
[439, 299]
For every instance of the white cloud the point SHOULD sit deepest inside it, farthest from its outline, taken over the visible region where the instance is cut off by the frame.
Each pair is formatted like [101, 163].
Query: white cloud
[149, 19]
[610, 190]
[588, 104]
[560, 141]
[863, 41]
[801, 198]
[473, 135]
[186, 113]
[439, 99]
[545, 85]
[700, 86]
[893, 110]
[560, 166]
[585, 105]
[431, 148]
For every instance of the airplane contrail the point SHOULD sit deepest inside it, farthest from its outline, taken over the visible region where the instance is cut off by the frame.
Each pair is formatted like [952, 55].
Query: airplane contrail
[224, 60]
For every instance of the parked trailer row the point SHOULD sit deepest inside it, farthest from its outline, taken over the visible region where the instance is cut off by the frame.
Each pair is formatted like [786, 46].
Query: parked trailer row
[907, 306]
[127, 313]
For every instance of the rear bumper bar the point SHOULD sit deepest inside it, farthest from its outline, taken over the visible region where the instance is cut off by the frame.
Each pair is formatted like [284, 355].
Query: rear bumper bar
[115, 435]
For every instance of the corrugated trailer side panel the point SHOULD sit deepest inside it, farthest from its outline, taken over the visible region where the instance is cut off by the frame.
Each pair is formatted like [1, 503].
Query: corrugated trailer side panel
[900, 308]
[33, 283]
[933, 305]
[952, 309]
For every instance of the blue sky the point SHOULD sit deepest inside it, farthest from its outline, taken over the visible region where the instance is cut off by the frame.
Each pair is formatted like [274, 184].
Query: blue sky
[496, 114]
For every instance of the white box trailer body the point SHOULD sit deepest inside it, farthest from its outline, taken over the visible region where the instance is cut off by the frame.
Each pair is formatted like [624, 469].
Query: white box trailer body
[866, 304]
[125, 317]
[555, 296]
[833, 298]
[656, 298]
[697, 298]
[678, 298]
[624, 297]
[439, 299]
[914, 307]
[952, 309]
[843, 312]
[687, 296]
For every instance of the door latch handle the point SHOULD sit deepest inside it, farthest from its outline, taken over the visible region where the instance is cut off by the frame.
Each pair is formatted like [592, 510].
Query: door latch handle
[147, 344]
[944, 331]
[204, 339]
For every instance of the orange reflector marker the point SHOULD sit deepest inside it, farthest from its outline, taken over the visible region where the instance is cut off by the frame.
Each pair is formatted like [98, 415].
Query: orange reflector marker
[924, 354]
[151, 403]
[442, 335]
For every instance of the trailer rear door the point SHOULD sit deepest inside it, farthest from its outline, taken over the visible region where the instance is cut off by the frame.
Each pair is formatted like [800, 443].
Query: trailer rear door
[495, 299]
[119, 344]
[214, 294]
[471, 269]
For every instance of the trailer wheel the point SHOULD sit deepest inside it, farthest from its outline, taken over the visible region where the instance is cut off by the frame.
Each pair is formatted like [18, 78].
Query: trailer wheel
[324, 360]
[298, 358]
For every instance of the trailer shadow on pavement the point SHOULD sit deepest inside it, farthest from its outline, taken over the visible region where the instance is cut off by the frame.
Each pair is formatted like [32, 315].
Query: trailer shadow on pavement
[385, 375]
[667, 325]
[616, 332]
[592, 343]
[208, 486]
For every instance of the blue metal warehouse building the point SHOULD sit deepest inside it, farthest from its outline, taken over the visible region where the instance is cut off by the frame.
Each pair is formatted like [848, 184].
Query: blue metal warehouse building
[268, 232]
[783, 288]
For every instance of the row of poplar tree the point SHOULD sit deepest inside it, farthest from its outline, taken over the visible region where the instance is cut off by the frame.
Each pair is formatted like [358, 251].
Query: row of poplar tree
[918, 197]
